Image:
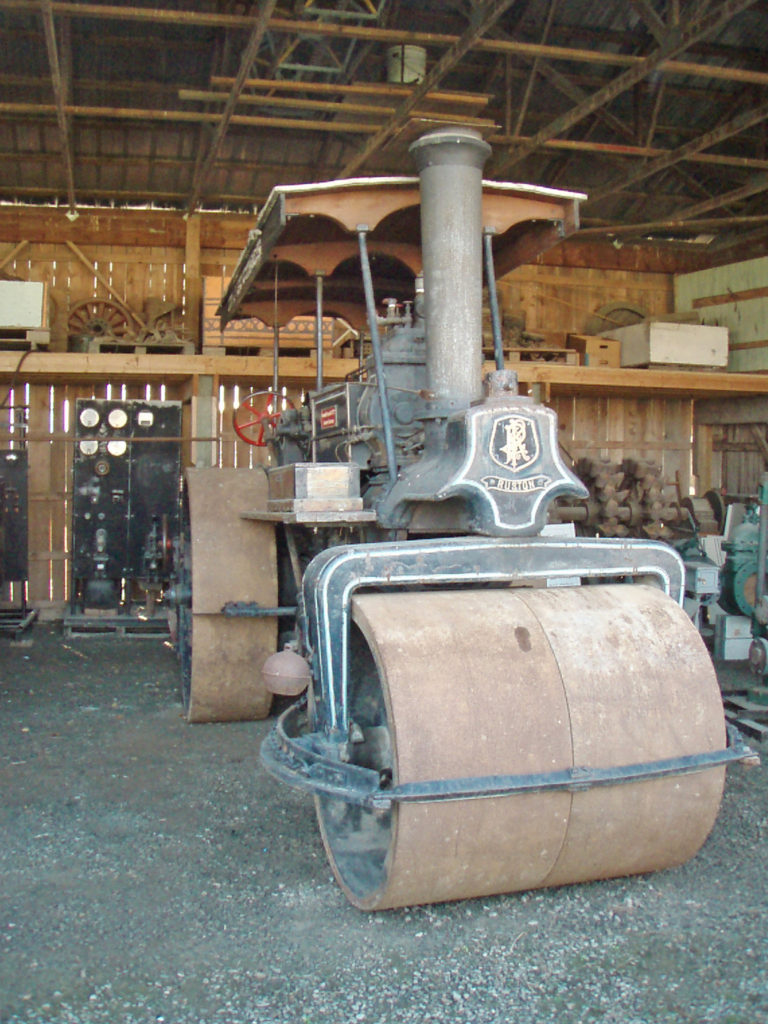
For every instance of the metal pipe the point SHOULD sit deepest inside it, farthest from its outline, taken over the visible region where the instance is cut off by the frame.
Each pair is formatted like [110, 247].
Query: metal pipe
[275, 338]
[319, 327]
[275, 356]
[450, 162]
[493, 302]
[370, 306]
[762, 539]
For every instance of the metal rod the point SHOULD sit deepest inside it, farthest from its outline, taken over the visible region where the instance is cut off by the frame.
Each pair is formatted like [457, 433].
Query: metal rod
[308, 761]
[253, 610]
[275, 341]
[370, 305]
[319, 327]
[762, 539]
[493, 303]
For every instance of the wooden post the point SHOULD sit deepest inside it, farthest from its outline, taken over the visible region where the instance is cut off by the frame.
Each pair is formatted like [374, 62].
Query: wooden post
[204, 409]
[40, 502]
[193, 281]
[703, 458]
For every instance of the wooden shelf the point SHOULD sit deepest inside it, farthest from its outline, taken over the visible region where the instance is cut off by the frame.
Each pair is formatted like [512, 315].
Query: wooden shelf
[583, 380]
[554, 378]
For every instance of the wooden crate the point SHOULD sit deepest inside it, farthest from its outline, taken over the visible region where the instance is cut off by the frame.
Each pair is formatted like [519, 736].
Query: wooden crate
[658, 343]
[595, 351]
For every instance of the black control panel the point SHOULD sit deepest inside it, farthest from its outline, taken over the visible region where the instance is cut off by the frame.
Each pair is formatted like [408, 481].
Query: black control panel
[126, 499]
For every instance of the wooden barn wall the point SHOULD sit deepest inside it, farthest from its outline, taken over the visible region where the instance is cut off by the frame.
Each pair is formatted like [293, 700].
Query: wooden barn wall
[141, 255]
[563, 299]
[731, 447]
[613, 428]
[734, 296]
[657, 430]
[48, 410]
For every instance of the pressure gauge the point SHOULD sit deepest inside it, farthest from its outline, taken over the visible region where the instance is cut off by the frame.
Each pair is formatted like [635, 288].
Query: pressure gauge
[89, 447]
[89, 417]
[116, 447]
[117, 418]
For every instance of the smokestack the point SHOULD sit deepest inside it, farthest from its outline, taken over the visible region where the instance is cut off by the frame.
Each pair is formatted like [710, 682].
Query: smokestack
[450, 163]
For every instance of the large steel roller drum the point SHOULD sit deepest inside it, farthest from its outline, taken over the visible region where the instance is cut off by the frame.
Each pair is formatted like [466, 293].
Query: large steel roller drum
[468, 683]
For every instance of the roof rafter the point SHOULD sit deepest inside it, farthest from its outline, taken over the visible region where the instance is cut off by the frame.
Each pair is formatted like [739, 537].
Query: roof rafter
[392, 36]
[266, 7]
[717, 135]
[654, 23]
[485, 15]
[60, 84]
[678, 40]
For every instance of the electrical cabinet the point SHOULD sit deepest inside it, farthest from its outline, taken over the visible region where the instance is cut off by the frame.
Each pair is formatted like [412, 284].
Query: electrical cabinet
[125, 503]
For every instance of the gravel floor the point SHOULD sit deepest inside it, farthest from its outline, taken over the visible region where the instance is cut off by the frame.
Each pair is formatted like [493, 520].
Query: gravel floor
[151, 872]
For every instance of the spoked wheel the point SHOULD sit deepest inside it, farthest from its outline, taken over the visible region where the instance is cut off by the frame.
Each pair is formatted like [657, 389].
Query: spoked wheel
[225, 560]
[544, 681]
[257, 412]
[99, 319]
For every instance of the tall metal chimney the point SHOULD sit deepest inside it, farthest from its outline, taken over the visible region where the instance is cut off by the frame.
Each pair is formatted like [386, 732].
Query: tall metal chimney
[450, 163]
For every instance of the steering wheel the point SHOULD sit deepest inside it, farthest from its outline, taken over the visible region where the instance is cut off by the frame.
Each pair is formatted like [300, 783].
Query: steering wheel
[255, 412]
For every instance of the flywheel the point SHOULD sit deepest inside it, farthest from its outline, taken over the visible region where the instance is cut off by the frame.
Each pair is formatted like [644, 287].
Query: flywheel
[454, 684]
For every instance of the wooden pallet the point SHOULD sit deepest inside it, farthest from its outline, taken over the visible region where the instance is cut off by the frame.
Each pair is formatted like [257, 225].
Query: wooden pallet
[86, 625]
[186, 348]
[749, 716]
[24, 339]
[538, 354]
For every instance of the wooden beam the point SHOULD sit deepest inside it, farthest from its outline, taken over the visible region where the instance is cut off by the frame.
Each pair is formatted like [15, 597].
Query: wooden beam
[102, 280]
[756, 184]
[193, 278]
[724, 412]
[618, 149]
[60, 90]
[678, 41]
[378, 112]
[189, 116]
[74, 366]
[13, 253]
[729, 297]
[388, 90]
[671, 224]
[384, 36]
[523, 105]
[740, 123]
[484, 17]
[759, 436]
[654, 23]
[258, 30]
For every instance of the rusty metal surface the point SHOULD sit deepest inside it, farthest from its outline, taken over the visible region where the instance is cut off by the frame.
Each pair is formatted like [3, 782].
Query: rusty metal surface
[233, 559]
[533, 680]
[227, 657]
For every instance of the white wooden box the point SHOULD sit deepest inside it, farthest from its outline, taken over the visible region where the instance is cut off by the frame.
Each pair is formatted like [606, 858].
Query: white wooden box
[665, 343]
[22, 304]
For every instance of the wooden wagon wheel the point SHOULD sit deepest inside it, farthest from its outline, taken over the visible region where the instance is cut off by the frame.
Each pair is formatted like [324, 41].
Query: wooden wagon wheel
[99, 318]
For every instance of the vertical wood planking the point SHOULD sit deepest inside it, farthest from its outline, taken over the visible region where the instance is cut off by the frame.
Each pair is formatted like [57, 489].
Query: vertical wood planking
[42, 494]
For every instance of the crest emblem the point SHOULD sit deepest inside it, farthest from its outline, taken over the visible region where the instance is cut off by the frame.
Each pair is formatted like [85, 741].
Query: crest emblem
[514, 443]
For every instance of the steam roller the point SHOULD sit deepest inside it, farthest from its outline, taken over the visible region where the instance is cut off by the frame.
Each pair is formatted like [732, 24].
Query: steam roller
[491, 703]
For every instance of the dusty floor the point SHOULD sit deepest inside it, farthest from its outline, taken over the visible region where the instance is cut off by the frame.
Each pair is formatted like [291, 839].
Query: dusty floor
[151, 872]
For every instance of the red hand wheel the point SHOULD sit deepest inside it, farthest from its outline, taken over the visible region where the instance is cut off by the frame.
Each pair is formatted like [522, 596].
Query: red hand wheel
[258, 410]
